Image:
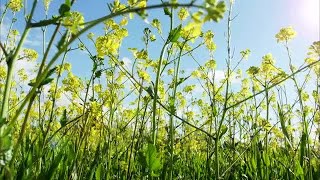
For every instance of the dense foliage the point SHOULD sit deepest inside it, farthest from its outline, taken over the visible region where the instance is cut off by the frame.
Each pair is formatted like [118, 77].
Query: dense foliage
[151, 118]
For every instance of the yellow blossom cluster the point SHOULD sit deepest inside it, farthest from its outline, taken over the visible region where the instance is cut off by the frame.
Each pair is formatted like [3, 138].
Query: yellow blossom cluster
[15, 5]
[72, 83]
[208, 40]
[30, 54]
[74, 22]
[286, 34]
[183, 14]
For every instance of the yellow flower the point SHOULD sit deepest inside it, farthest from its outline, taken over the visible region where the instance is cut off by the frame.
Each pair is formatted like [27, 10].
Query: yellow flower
[156, 23]
[189, 88]
[286, 34]
[196, 74]
[183, 14]
[211, 64]
[144, 75]
[170, 71]
[72, 83]
[253, 70]
[22, 75]
[15, 5]
[30, 54]
[74, 22]
[267, 65]
[208, 40]
[245, 53]
[191, 30]
[3, 72]
[108, 44]
[67, 67]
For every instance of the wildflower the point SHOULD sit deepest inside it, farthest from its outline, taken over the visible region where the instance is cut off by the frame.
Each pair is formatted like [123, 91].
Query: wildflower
[15, 5]
[286, 34]
[108, 44]
[253, 70]
[74, 22]
[170, 71]
[208, 40]
[156, 23]
[314, 50]
[144, 75]
[72, 83]
[117, 6]
[189, 88]
[191, 30]
[245, 53]
[196, 74]
[123, 22]
[183, 14]
[22, 75]
[67, 67]
[267, 63]
[3, 72]
[30, 54]
[211, 64]
[90, 36]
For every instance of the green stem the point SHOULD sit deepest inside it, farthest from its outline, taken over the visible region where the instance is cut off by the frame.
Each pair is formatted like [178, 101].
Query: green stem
[11, 62]
[90, 25]
[155, 96]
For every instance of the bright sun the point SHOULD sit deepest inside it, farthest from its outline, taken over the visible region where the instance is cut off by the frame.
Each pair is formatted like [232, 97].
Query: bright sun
[309, 13]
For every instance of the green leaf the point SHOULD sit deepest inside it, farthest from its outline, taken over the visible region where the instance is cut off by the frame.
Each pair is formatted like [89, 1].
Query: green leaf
[282, 123]
[211, 2]
[51, 71]
[215, 13]
[63, 120]
[175, 34]
[303, 147]
[223, 131]
[62, 40]
[2, 121]
[152, 159]
[98, 172]
[266, 159]
[98, 74]
[68, 2]
[50, 172]
[64, 9]
[167, 11]
[6, 143]
[150, 91]
[298, 170]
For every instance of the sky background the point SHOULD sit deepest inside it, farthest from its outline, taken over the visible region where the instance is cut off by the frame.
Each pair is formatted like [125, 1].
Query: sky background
[254, 27]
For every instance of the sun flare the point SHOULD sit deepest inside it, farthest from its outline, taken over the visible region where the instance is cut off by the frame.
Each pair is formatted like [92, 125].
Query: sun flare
[309, 14]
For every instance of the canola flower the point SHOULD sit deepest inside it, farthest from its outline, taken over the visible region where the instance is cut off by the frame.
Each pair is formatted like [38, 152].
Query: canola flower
[183, 14]
[30, 54]
[15, 5]
[286, 34]
[74, 22]
[104, 132]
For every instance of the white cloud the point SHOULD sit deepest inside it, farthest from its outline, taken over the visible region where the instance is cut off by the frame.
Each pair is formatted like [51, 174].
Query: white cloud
[4, 29]
[220, 75]
[146, 21]
[127, 62]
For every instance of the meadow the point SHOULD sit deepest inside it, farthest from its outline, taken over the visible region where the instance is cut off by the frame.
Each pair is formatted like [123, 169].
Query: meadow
[172, 109]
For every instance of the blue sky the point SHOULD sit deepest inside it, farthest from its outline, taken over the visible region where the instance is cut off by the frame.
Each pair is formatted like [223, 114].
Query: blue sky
[255, 26]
